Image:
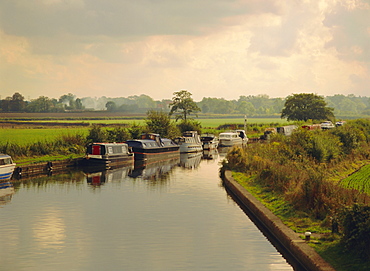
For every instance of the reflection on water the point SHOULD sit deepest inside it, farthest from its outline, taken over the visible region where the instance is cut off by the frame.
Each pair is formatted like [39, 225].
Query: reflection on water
[6, 192]
[210, 154]
[190, 160]
[154, 170]
[117, 174]
[49, 229]
[131, 222]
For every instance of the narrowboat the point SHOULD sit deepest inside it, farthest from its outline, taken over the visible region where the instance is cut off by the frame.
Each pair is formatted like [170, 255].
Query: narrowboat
[152, 146]
[209, 141]
[189, 142]
[231, 138]
[107, 155]
[6, 167]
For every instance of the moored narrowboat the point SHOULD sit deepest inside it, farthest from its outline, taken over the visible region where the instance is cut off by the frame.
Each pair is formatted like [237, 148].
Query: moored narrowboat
[107, 155]
[6, 166]
[152, 146]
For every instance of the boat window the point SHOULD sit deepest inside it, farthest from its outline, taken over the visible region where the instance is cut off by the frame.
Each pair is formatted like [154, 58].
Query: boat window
[110, 149]
[2, 162]
[8, 161]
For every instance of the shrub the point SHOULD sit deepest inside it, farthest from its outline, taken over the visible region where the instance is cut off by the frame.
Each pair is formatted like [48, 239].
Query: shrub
[97, 134]
[355, 224]
[160, 123]
[190, 125]
[135, 131]
[117, 134]
[236, 159]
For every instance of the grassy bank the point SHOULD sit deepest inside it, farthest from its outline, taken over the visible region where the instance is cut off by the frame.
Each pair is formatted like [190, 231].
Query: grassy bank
[326, 243]
[304, 180]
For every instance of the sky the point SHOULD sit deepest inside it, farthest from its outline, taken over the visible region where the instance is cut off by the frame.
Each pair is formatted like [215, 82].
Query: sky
[211, 48]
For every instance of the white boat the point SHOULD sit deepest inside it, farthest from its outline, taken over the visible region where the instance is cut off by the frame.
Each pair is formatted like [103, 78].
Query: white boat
[209, 141]
[6, 167]
[189, 142]
[231, 138]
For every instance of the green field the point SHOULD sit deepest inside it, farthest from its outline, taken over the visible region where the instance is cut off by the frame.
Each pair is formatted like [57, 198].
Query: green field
[360, 180]
[26, 136]
[23, 134]
[211, 122]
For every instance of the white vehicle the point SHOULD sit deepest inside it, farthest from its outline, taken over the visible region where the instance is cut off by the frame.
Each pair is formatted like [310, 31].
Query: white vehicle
[231, 138]
[327, 125]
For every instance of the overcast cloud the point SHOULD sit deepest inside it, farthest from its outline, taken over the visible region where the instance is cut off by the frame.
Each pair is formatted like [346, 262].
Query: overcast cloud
[218, 48]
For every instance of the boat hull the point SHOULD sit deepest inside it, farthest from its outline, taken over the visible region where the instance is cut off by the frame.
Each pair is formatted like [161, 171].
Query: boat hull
[155, 153]
[230, 143]
[107, 162]
[188, 148]
[6, 171]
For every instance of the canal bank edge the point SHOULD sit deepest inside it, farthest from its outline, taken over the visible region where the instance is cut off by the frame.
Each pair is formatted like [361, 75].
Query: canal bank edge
[44, 168]
[305, 254]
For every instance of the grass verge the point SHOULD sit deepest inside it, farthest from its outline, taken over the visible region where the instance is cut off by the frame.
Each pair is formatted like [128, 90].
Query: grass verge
[323, 241]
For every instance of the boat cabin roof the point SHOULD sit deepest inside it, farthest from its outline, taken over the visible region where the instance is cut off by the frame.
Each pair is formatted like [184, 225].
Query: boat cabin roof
[190, 133]
[107, 144]
[150, 136]
[4, 156]
[150, 143]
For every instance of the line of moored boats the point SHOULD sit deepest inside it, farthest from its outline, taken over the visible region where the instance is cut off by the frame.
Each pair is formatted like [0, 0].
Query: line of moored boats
[149, 147]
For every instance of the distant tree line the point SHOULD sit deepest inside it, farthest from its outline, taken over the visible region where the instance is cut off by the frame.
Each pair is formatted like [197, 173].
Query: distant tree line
[251, 105]
[42, 104]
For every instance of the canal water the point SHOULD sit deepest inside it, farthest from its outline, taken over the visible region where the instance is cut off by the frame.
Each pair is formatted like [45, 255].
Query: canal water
[167, 215]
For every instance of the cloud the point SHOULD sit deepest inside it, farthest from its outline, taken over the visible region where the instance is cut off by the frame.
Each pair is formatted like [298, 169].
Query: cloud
[120, 18]
[219, 48]
[350, 26]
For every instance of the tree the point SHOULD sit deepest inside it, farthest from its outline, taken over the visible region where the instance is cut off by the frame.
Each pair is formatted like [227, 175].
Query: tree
[17, 103]
[159, 122]
[183, 105]
[68, 100]
[111, 106]
[305, 106]
[41, 104]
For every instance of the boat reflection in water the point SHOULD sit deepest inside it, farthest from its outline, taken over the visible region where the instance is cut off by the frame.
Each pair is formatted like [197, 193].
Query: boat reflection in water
[154, 170]
[190, 160]
[116, 174]
[6, 192]
[210, 154]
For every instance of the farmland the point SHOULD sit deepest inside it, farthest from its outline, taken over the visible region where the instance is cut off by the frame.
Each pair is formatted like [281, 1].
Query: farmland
[359, 180]
[25, 128]
[27, 136]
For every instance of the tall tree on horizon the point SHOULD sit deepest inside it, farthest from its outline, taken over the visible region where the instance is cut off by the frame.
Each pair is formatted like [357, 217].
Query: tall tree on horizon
[305, 106]
[183, 105]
